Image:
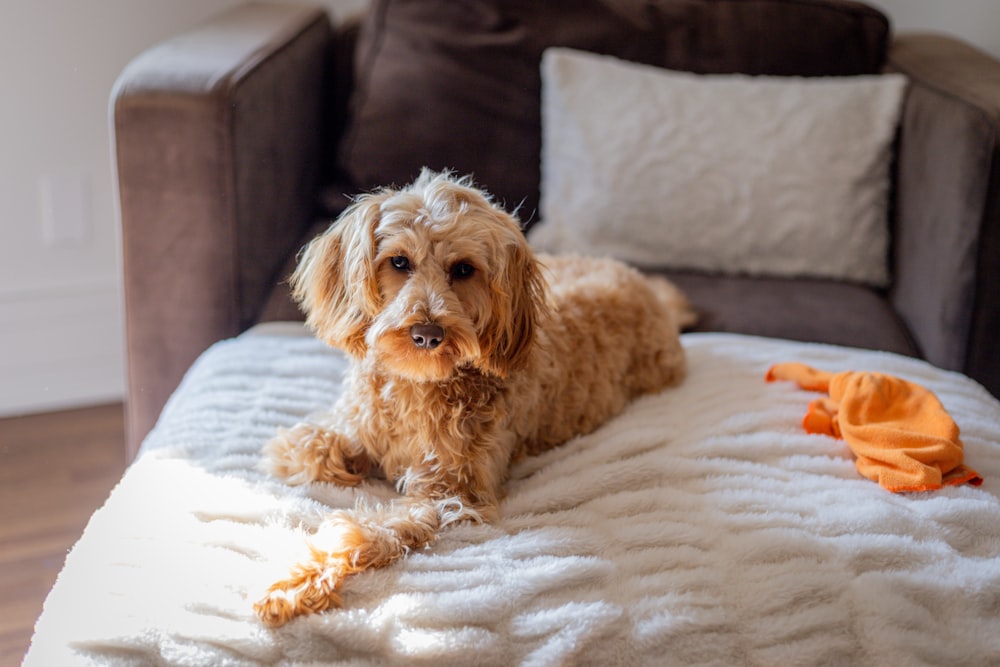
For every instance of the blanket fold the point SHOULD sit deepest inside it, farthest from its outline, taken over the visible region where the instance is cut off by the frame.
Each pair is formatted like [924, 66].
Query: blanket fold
[900, 433]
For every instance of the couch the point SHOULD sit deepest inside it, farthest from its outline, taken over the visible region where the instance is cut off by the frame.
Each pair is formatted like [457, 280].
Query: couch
[702, 525]
[233, 141]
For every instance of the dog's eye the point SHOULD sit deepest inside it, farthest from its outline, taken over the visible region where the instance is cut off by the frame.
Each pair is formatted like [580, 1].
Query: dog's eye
[400, 263]
[462, 270]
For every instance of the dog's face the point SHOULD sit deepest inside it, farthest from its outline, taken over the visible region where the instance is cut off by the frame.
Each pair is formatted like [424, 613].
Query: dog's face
[427, 279]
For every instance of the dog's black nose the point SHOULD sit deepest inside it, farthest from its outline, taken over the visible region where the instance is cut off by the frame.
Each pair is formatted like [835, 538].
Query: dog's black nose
[426, 336]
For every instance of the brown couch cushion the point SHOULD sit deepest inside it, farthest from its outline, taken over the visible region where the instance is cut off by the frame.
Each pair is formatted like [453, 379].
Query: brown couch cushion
[811, 310]
[456, 84]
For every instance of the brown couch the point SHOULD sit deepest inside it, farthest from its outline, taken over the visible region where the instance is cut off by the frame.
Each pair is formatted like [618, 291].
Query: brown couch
[234, 139]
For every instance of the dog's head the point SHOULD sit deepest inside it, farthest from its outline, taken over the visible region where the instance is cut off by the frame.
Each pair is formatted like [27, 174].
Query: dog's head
[428, 279]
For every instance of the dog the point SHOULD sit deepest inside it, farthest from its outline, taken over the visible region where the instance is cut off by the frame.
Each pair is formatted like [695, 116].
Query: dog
[467, 353]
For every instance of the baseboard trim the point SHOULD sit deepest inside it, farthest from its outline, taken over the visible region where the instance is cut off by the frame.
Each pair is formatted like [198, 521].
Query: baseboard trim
[60, 347]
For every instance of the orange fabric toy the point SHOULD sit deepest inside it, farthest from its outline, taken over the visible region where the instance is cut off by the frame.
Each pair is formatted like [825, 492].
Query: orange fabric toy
[902, 436]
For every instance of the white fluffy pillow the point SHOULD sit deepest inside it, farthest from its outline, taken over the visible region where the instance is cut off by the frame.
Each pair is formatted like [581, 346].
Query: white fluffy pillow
[780, 176]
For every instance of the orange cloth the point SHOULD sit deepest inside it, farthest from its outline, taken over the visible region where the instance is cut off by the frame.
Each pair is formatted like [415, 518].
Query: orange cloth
[902, 436]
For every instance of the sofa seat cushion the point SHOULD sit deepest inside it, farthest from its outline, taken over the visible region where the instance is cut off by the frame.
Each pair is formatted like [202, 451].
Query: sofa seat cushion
[456, 85]
[701, 526]
[818, 311]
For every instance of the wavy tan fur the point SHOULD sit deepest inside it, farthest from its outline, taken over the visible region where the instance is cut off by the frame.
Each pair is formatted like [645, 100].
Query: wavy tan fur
[535, 350]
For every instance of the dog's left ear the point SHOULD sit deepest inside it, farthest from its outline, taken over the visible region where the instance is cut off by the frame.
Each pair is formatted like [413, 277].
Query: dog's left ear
[519, 298]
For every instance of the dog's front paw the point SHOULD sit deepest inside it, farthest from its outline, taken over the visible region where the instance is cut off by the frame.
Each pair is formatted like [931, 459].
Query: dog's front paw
[308, 453]
[310, 590]
[275, 609]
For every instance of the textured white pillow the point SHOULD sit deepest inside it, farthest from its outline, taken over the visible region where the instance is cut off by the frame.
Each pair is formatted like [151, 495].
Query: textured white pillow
[781, 176]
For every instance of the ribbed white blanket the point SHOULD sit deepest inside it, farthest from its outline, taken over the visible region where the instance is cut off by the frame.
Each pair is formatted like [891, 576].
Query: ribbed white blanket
[703, 526]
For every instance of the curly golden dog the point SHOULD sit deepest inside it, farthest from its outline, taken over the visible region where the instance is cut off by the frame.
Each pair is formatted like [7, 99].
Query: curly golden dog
[468, 352]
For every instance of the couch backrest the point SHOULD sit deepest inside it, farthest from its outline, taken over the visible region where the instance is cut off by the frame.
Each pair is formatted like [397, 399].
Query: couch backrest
[456, 84]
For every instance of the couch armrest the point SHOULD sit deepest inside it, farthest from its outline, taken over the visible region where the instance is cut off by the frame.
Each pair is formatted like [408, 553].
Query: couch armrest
[218, 149]
[947, 235]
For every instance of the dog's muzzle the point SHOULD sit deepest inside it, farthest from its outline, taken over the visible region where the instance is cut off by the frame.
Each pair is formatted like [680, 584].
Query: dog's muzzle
[426, 336]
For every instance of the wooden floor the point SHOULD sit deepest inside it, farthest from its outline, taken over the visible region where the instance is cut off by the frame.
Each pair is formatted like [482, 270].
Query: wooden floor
[55, 470]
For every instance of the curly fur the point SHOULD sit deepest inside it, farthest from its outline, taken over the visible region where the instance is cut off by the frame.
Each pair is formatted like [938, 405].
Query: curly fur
[533, 351]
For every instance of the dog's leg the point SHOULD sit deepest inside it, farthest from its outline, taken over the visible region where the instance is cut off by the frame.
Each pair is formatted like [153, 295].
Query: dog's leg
[351, 542]
[308, 452]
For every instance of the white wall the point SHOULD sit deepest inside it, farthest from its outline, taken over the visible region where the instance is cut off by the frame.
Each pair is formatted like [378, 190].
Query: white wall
[60, 319]
[976, 21]
[60, 314]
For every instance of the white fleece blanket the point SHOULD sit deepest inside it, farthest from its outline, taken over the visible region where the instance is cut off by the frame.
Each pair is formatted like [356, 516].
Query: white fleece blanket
[703, 526]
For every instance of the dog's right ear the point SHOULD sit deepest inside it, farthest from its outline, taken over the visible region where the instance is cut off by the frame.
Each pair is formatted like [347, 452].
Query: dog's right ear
[334, 282]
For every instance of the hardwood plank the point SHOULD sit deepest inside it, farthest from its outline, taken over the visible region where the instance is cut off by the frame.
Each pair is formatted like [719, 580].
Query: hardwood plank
[55, 470]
